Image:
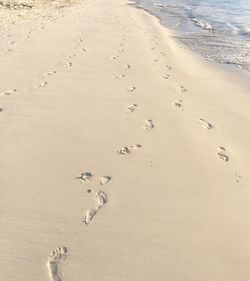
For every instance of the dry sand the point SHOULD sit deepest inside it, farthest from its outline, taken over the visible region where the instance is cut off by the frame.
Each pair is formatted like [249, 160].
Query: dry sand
[123, 155]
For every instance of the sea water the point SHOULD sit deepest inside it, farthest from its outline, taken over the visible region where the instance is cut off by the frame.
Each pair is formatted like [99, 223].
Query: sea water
[217, 29]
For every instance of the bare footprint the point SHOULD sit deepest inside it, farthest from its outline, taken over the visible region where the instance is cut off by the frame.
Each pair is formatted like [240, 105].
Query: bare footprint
[123, 151]
[78, 43]
[85, 176]
[130, 108]
[127, 149]
[89, 216]
[206, 124]
[41, 85]
[178, 104]
[221, 154]
[104, 179]
[135, 146]
[131, 89]
[101, 199]
[238, 178]
[120, 76]
[50, 73]
[114, 57]
[182, 89]
[165, 77]
[127, 66]
[71, 56]
[12, 42]
[168, 67]
[148, 125]
[89, 177]
[54, 261]
[9, 92]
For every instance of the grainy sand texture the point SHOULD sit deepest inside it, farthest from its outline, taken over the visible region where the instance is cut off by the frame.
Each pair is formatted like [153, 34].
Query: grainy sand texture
[123, 156]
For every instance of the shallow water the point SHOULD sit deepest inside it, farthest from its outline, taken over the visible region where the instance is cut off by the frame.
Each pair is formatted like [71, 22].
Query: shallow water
[217, 29]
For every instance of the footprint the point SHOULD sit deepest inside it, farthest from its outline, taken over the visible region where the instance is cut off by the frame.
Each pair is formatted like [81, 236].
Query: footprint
[206, 124]
[127, 66]
[83, 50]
[119, 76]
[41, 85]
[163, 54]
[89, 177]
[101, 199]
[9, 92]
[104, 179]
[168, 67]
[238, 178]
[85, 176]
[148, 125]
[166, 76]
[132, 89]
[69, 63]
[89, 216]
[123, 151]
[182, 89]
[71, 56]
[114, 57]
[222, 155]
[178, 104]
[55, 259]
[78, 43]
[131, 108]
[50, 73]
[135, 146]
[127, 149]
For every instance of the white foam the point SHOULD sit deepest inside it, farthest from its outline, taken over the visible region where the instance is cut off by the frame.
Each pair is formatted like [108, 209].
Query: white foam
[203, 24]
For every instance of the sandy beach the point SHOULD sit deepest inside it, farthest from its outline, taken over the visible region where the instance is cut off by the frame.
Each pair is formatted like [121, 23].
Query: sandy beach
[124, 156]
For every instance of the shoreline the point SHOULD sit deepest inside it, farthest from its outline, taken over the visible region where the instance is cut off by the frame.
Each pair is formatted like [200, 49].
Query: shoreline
[123, 155]
[229, 66]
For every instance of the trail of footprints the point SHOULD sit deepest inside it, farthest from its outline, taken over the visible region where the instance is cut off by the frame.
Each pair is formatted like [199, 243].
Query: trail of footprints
[178, 104]
[100, 198]
[42, 84]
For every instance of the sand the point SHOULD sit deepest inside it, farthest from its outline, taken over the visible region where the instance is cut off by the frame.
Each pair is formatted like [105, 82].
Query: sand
[124, 156]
